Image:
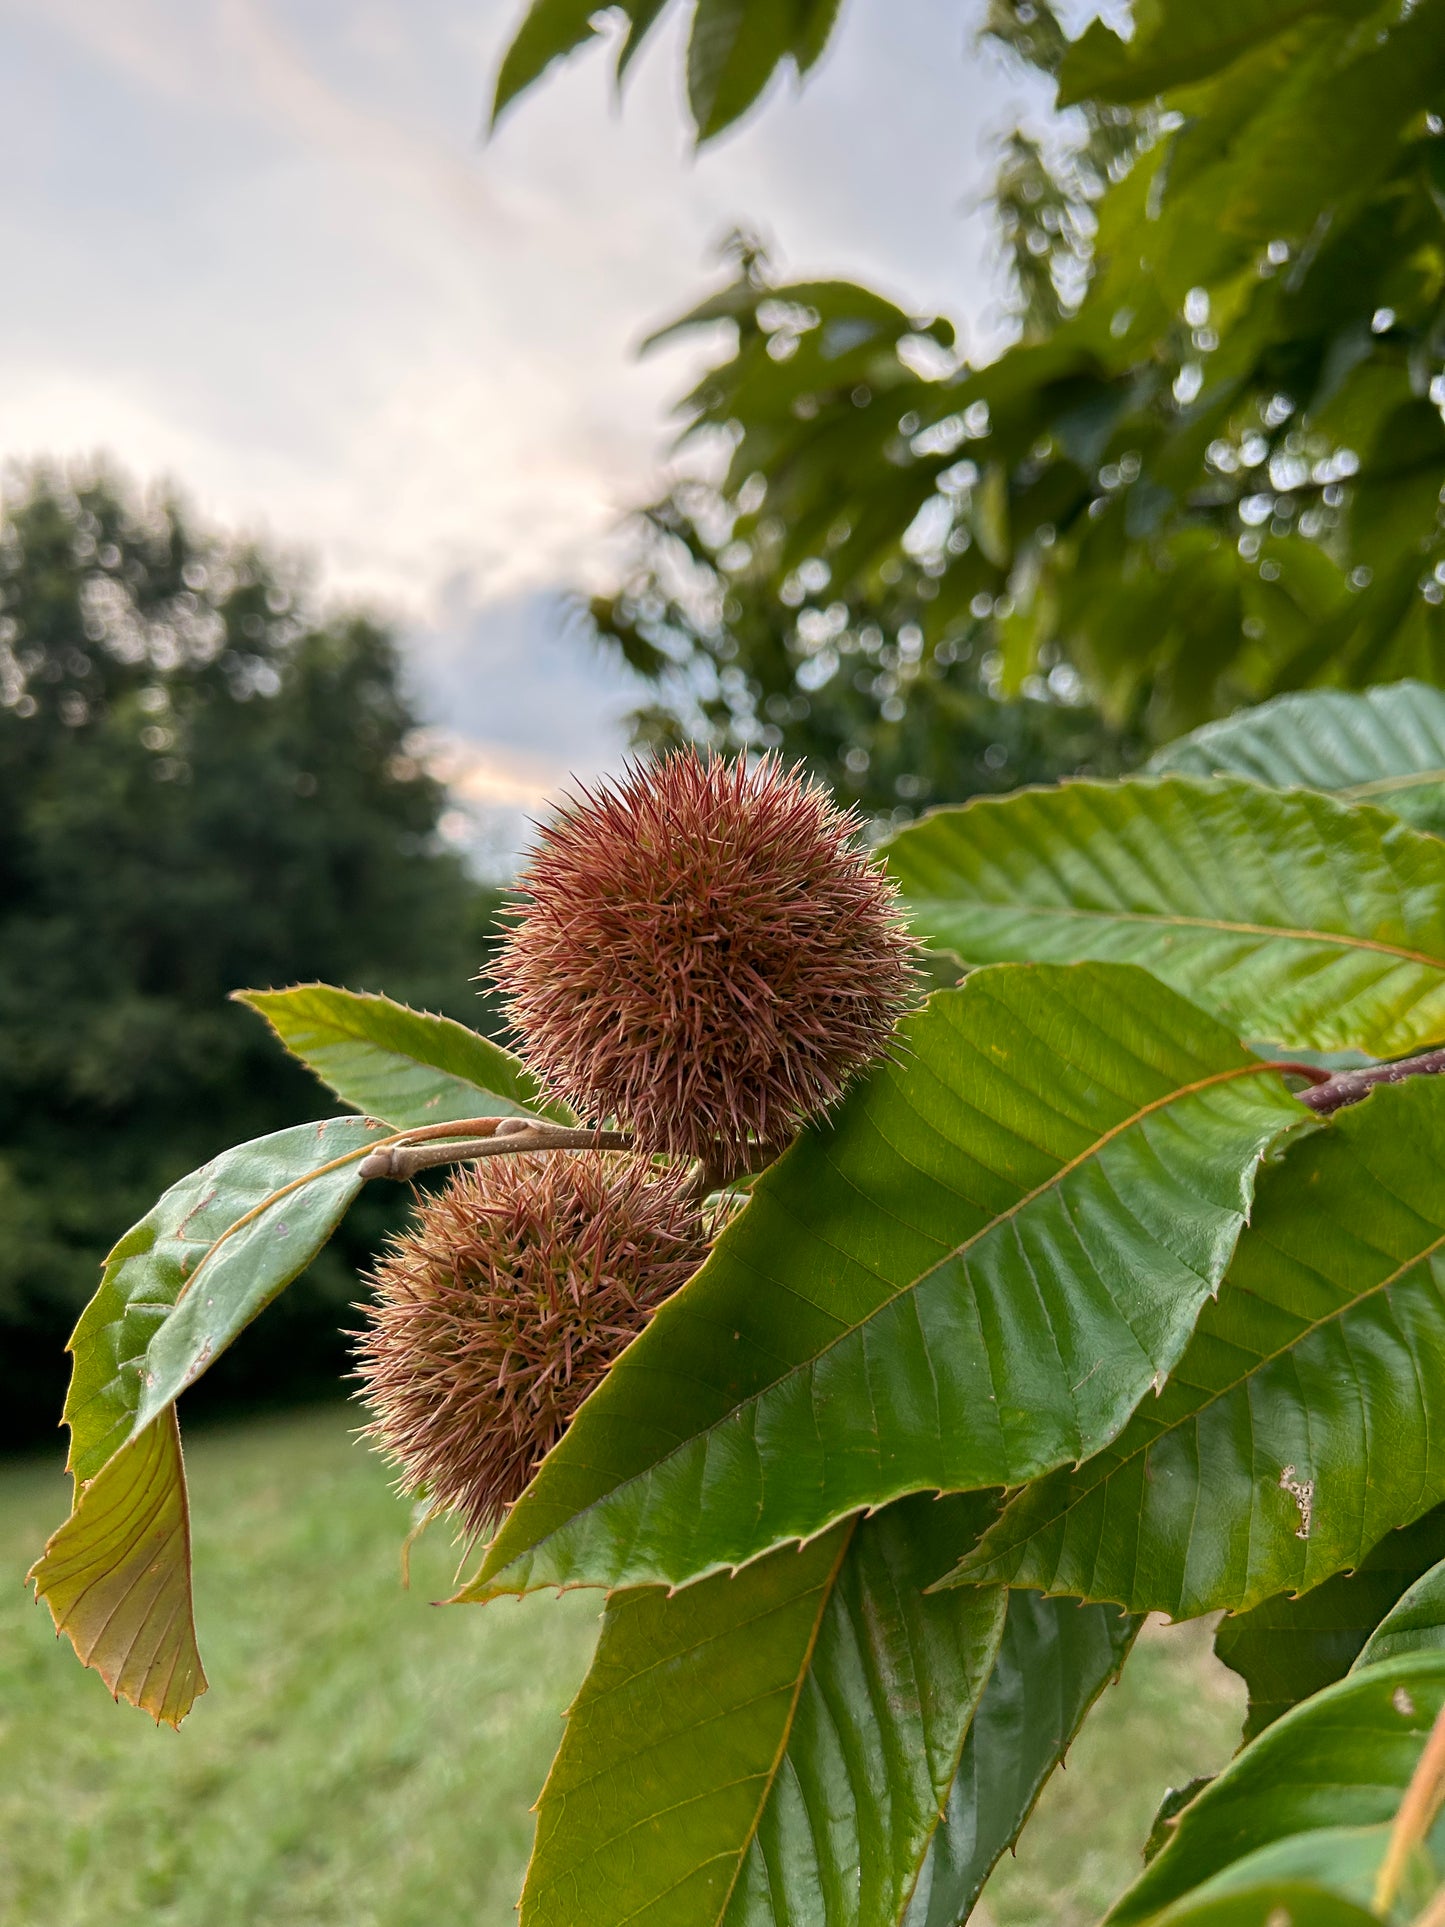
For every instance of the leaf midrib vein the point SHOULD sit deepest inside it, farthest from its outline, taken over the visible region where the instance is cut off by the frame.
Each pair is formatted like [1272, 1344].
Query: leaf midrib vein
[1378, 786]
[1171, 920]
[1178, 1094]
[785, 1741]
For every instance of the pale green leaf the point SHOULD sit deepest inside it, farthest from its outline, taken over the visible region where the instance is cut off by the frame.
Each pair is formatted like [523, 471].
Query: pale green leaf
[1384, 746]
[1305, 1420]
[175, 1291]
[405, 1066]
[1292, 916]
[1415, 1624]
[974, 1272]
[1269, 1903]
[196, 1270]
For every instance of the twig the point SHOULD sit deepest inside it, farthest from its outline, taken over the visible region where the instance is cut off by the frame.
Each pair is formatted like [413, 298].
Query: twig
[717, 1171]
[493, 1137]
[1348, 1087]
[1418, 1808]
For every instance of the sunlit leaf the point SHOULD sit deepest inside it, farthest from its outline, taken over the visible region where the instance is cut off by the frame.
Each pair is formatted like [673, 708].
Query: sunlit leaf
[974, 1272]
[1384, 746]
[1294, 917]
[406, 1066]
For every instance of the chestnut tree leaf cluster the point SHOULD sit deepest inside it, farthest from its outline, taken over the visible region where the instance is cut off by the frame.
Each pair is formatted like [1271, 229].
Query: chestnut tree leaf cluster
[1116, 1286]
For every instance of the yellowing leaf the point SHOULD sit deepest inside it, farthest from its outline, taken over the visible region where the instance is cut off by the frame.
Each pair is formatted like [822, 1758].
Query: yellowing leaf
[117, 1578]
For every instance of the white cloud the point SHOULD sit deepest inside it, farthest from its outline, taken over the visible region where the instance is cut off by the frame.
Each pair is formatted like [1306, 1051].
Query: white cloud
[257, 244]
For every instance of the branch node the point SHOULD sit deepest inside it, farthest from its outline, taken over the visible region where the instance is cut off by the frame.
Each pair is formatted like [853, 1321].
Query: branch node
[1348, 1087]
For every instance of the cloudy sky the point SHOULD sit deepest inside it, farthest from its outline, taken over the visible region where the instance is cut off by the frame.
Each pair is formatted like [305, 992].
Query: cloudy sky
[258, 246]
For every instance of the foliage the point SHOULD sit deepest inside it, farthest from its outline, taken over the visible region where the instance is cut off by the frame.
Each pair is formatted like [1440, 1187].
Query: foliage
[1218, 887]
[203, 782]
[1292, 1645]
[1087, 1301]
[1386, 748]
[1208, 470]
[747, 649]
[363, 1757]
[1075, 1304]
[733, 48]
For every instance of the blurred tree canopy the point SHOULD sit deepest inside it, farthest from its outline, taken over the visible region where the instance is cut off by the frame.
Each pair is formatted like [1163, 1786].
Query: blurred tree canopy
[205, 784]
[1209, 469]
[733, 47]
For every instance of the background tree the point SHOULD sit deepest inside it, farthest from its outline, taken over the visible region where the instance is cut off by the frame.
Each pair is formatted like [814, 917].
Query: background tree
[204, 783]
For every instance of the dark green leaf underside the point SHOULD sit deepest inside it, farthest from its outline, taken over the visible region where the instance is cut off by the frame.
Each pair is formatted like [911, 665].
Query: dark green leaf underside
[1054, 1660]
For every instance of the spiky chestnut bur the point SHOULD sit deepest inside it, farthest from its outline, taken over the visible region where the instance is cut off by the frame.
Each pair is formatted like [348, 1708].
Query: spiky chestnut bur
[502, 1306]
[704, 954]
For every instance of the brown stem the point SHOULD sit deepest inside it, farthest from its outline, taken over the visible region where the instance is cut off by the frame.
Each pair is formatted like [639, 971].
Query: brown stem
[501, 1138]
[458, 1127]
[1417, 1810]
[717, 1171]
[1348, 1087]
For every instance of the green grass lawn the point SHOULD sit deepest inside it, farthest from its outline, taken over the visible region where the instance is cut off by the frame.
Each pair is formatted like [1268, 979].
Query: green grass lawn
[365, 1760]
